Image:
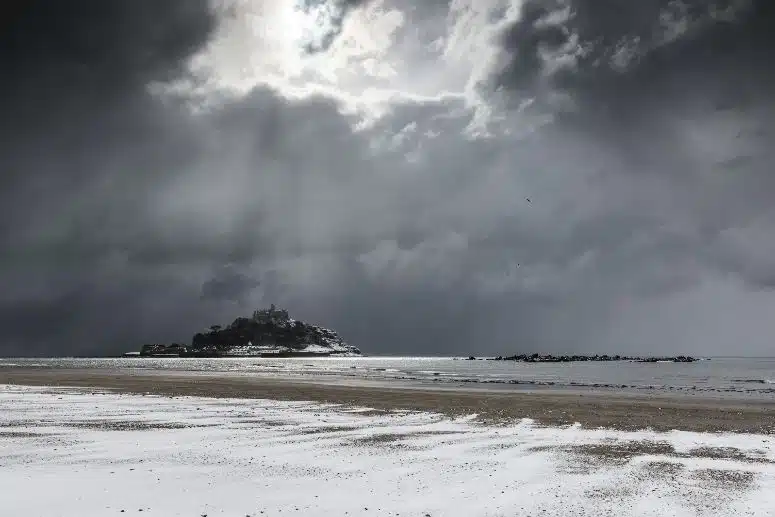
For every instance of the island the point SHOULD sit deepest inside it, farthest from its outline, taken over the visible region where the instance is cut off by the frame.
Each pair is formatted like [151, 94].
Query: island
[268, 333]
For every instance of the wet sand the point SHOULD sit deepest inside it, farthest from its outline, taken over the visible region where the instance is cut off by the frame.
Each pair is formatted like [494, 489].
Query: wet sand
[591, 409]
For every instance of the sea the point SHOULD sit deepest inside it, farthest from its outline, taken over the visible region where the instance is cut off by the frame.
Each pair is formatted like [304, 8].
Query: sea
[723, 377]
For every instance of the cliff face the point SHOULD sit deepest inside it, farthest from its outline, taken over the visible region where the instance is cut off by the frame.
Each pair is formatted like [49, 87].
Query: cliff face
[270, 332]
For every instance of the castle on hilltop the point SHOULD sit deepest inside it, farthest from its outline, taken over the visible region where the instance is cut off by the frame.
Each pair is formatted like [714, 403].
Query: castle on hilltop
[271, 315]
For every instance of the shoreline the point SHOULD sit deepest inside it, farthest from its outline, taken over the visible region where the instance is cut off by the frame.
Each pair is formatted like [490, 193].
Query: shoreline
[590, 409]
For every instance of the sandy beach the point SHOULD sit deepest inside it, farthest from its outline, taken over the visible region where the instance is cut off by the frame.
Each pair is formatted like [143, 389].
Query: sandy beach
[590, 409]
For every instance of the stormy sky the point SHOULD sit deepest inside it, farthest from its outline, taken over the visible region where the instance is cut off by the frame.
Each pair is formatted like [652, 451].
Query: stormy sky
[440, 177]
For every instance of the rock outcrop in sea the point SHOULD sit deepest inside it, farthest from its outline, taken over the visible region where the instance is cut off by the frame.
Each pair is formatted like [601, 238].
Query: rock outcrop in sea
[541, 358]
[268, 333]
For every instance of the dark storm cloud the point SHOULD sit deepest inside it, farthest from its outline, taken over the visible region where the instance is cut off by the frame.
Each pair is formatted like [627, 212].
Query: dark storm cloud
[110, 43]
[79, 125]
[642, 78]
[83, 143]
[229, 285]
[102, 314]
[624, 67]
[128, 219]
[654, 105]
[592, 48]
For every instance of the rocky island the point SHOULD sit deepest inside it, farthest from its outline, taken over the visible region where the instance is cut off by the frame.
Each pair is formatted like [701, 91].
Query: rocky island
[268, 333]
[542, 358]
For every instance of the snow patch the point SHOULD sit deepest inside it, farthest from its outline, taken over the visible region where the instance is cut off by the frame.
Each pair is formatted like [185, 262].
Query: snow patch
[68, 453]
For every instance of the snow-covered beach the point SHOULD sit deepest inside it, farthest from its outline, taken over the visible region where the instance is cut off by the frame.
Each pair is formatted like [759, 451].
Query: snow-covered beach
[83, 452]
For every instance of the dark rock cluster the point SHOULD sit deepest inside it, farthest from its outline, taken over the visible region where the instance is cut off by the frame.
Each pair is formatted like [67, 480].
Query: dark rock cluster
[540, 358]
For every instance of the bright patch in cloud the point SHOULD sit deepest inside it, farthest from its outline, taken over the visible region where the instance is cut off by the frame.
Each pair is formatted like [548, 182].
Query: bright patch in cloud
[366, 55]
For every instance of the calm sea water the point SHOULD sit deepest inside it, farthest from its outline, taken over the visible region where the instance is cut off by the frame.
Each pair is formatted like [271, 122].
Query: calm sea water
[744, 377]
